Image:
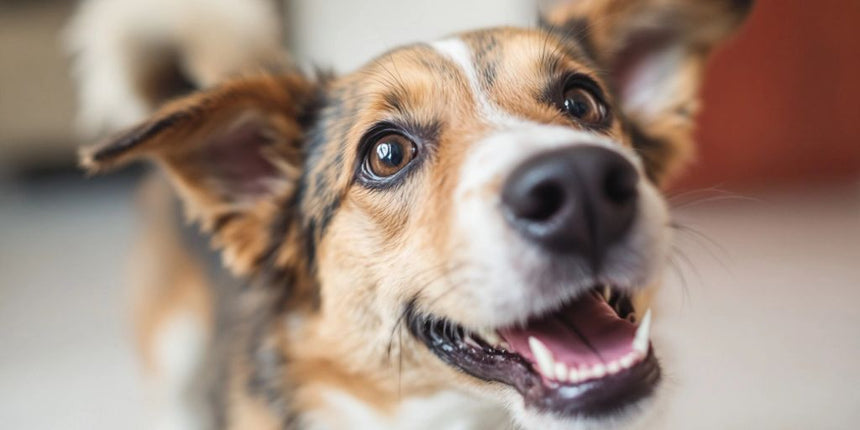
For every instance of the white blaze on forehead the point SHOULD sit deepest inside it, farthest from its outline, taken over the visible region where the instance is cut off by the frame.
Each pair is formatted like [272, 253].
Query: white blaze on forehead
[460, 54]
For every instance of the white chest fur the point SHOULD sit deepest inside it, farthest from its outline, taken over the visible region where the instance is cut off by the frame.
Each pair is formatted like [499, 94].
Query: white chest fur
[443, 411]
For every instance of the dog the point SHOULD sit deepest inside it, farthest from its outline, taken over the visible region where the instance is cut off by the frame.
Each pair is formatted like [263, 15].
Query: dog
[463, 233]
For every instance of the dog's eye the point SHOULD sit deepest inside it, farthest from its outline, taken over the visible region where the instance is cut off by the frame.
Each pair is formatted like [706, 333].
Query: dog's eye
[581, 104]
[390, 154]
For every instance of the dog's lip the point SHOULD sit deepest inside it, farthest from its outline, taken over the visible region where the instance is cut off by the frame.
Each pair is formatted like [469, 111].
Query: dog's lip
[490, 358]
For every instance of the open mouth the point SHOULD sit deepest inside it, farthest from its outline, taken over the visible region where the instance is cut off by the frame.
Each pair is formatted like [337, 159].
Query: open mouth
[587, 359]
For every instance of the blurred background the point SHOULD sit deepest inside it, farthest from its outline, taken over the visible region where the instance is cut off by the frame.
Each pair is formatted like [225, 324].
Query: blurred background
[756, 320]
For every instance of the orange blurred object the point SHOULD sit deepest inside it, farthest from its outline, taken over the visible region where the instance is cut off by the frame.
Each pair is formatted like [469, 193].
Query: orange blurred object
[782, 101]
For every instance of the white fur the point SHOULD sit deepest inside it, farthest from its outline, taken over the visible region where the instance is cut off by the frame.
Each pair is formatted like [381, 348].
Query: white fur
[442, 411]
[180, 348]
[111, 39]
[459, 53]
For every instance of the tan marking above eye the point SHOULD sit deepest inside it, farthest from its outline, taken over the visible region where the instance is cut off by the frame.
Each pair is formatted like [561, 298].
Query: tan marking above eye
[390, 154]
[581, 104]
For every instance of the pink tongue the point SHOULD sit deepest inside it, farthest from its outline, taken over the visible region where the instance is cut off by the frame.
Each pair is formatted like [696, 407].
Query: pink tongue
[585, 333]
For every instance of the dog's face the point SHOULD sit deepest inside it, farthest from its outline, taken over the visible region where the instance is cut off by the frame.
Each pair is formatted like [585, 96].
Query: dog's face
[479, 213]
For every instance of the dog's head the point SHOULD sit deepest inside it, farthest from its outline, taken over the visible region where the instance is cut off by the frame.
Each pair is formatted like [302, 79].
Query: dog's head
[481, 212]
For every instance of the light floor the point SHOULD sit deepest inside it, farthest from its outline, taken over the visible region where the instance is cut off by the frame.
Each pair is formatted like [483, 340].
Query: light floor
[765, 335]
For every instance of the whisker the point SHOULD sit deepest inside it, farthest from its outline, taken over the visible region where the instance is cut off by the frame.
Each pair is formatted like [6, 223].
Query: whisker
[716, 250]
[685, 289]
[715, 199]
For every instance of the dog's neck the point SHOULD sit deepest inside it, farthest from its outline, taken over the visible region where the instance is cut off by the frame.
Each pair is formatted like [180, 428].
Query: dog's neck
[323, 389]
[443, 410]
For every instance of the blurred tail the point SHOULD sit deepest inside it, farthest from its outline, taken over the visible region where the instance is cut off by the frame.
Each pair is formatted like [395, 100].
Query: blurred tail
[129, 56]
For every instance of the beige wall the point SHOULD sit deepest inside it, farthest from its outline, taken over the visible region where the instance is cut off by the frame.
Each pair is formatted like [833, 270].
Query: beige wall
[344, 34]
[36, 95]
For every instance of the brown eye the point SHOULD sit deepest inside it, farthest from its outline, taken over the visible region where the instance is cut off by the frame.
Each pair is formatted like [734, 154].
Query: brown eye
[390, 154]
[583, 105]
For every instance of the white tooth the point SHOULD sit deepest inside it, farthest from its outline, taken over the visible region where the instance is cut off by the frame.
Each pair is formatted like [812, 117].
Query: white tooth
[560, 372]
[598, 371]
[613, 367]
[472, 342]
[607, 292]
[627, 360]
[643, 334]
[491, 337]
[585, 374]
[574, 375]
[543, 357]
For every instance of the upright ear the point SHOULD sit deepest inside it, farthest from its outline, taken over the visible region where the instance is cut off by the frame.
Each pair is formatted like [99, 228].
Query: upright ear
[233, 153]
[654, 52]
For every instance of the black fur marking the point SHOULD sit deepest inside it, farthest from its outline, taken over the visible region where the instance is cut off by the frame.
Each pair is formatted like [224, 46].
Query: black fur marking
[654, 152]
[267, 365]
[483, 52]
[270, 273]
[579, 29]
[328, 212]
[139, 135]
[266, 361]
[315, 198]
[576, 44]
[223, 220]
[311, 233]
[743, 5]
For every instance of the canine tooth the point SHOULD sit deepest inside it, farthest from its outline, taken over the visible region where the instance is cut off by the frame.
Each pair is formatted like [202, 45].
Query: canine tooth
[560, 372]
[543, 356]
[643, 334]
[627, 360]
[598, 371]
[607, 293]
[613, 367]
[471, 342]
[490, 336]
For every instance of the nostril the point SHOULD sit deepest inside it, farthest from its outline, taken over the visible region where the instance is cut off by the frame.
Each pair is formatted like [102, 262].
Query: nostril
[620, 184]
[543, 201]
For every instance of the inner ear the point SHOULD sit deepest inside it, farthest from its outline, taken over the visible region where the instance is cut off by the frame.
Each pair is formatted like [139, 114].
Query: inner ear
[237, 162]
[647, 72]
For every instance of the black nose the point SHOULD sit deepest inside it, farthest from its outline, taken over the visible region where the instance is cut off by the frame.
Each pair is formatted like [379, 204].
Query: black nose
[576, 200]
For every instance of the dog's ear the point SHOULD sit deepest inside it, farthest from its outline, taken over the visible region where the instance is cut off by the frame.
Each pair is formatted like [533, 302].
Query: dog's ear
[234, 154]
[654, 53]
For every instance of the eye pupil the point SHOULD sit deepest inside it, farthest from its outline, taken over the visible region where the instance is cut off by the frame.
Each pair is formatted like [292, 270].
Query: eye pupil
[390, 153]
[576, 107]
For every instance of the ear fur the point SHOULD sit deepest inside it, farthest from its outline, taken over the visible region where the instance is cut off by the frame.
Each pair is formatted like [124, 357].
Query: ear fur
[654, 52]
[234, 154]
